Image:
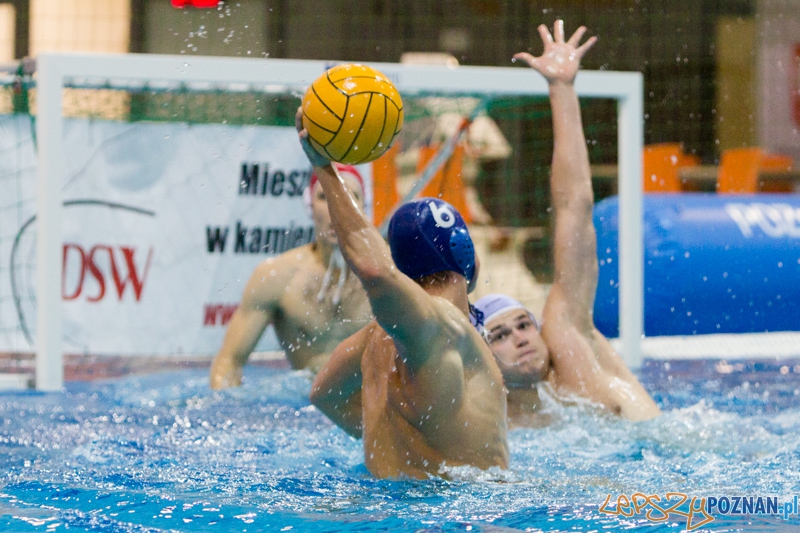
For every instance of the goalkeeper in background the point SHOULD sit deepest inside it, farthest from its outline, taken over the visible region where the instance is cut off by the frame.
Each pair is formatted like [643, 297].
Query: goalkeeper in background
[308, 294]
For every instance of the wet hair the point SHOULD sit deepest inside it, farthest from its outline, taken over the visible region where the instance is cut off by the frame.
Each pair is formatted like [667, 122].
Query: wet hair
[436, 278]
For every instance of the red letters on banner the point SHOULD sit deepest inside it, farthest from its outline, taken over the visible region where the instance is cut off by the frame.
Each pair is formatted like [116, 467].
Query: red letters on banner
[218, 314]
[91, 263]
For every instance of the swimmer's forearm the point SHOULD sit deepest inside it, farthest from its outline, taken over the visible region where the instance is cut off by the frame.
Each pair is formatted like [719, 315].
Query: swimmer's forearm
[226, 368]
[574, 243]
[244, 329]
[362, 245]
[571, 173]
[344, 412]
[339, 378]
[336, 391]
[360, 242]
[224, 372]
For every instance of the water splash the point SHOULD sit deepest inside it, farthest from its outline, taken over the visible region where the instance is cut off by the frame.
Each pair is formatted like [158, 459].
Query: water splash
[164, 452]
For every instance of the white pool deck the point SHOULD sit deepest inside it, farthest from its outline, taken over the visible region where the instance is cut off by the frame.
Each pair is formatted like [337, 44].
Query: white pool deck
[728, 347]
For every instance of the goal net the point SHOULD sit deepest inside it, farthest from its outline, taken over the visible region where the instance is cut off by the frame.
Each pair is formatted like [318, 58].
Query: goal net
[139, 192]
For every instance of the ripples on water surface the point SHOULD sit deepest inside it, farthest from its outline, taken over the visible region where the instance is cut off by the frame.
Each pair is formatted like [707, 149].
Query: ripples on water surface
[165, 453]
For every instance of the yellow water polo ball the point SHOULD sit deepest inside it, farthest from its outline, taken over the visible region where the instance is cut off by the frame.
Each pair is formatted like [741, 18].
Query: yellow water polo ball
[352, 113]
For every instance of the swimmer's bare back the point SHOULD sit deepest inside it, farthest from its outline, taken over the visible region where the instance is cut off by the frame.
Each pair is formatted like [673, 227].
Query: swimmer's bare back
[415, 421]
[449, 411]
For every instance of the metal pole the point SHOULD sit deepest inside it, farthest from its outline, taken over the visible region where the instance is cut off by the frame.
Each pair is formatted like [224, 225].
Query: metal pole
[49, 358]
[631, 277]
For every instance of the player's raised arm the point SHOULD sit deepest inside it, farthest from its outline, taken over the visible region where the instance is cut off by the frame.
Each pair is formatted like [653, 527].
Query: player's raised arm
[575, 259]
[430, 392]
[584, 362]
[400, 305]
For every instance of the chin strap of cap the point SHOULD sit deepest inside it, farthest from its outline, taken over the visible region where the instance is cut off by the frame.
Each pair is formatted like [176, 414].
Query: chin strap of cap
[336, 261]
[476, 317]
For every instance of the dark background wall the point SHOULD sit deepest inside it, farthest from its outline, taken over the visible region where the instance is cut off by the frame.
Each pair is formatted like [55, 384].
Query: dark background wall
[672, 42]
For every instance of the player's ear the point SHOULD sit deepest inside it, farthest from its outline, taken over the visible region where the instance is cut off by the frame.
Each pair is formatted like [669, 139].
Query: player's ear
[473, 283]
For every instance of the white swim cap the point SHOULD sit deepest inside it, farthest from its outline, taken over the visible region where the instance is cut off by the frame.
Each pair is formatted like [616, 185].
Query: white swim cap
[494, 305]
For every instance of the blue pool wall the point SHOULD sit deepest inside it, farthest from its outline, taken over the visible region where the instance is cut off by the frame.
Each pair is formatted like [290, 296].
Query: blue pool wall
[712, 263]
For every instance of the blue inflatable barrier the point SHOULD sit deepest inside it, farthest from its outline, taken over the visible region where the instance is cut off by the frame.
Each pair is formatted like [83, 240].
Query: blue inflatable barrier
[712, 264]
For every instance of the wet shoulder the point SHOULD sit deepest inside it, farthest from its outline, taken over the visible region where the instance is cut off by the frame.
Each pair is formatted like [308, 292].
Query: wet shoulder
[271, 275]
[450, 319]
[289, 263]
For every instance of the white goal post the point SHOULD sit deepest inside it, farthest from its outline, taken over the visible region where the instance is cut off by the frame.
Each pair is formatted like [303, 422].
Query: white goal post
[57, 70]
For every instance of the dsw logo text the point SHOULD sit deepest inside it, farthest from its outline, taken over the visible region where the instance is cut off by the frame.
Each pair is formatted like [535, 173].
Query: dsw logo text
[103, 271]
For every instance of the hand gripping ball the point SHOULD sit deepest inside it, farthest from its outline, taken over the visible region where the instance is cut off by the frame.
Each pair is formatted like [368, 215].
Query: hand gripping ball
[352, 113]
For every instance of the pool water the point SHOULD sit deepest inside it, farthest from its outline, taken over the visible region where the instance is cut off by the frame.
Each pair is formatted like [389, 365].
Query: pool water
[165, 453]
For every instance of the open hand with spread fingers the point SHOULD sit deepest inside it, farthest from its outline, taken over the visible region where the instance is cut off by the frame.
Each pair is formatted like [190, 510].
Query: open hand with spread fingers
[560, 60]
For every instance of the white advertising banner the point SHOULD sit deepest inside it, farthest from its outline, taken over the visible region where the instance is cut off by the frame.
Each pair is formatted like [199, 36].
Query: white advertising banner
[163, 224]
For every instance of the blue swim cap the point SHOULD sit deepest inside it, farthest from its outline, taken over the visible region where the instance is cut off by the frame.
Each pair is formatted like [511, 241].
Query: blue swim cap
[428, 235]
